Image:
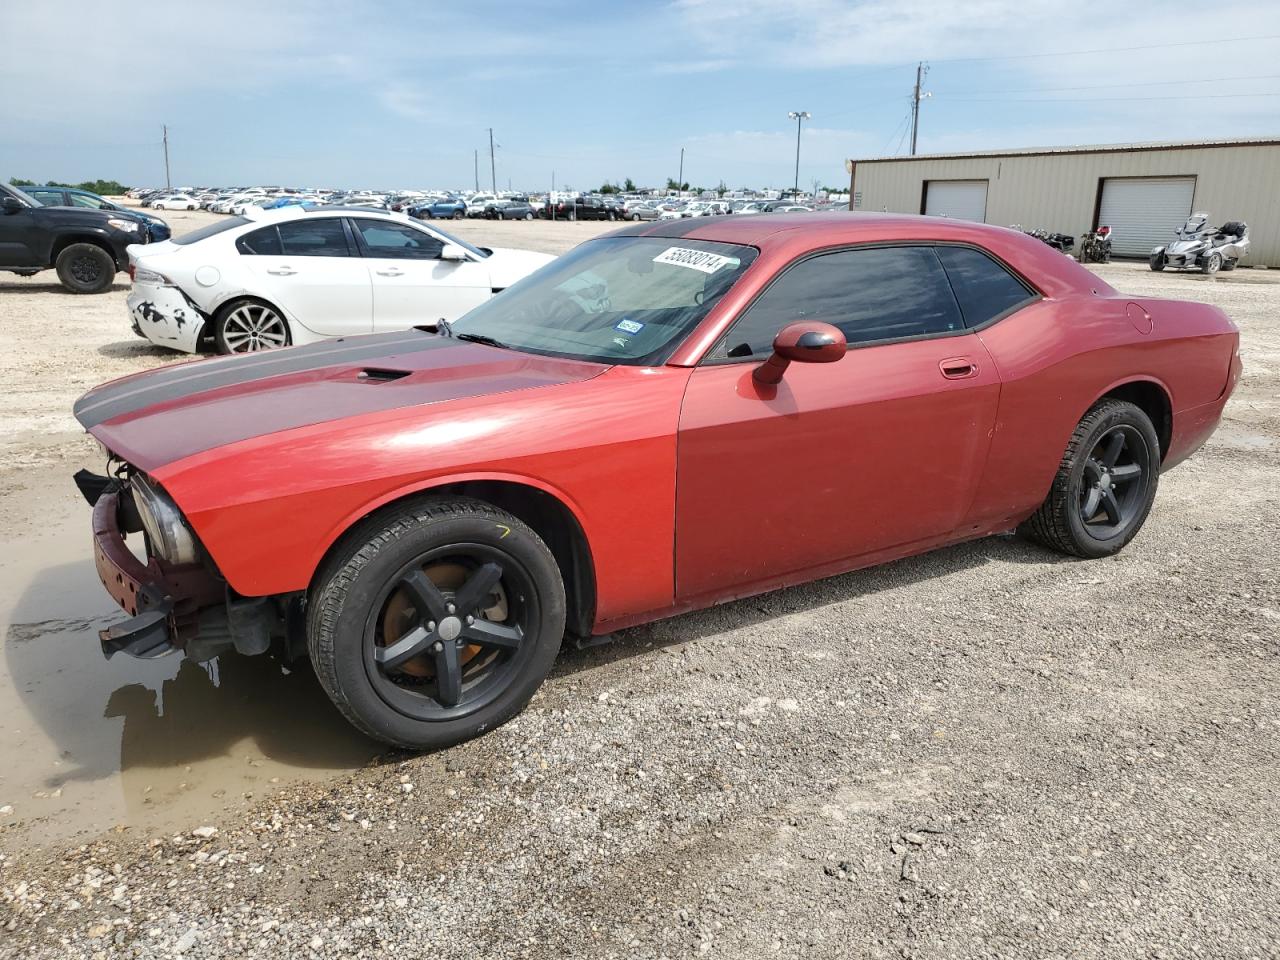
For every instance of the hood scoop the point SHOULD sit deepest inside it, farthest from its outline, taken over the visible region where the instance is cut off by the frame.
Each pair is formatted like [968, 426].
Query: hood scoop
[380, 375]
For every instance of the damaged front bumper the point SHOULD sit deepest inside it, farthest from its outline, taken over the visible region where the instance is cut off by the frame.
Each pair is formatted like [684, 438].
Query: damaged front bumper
[166, 316]
[185, 607]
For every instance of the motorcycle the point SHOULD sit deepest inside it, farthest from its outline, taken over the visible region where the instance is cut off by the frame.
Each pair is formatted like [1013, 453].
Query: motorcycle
[1095, 246]
[1200, 245]
[1061, 242]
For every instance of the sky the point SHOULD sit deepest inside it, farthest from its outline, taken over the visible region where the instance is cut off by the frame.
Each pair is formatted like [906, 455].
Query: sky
[402, 94]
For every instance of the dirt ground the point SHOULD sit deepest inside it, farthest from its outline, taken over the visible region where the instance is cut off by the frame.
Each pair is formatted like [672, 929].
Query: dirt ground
[988, 751]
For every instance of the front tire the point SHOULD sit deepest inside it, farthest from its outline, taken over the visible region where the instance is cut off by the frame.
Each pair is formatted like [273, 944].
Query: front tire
[1157, 262]
[435, 621]
[1105, 485]
[1212, 263]
[85, 268]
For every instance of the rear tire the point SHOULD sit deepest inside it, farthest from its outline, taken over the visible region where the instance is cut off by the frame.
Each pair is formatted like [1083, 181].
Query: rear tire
[1228, 265]
[1157, 262]
[1098, 474]
[391, 573]
[85, 268]
[457, 214]
[250, 326]
[529, 215]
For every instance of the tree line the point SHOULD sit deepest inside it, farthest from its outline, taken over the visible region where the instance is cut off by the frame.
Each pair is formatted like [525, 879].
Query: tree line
[104, 188]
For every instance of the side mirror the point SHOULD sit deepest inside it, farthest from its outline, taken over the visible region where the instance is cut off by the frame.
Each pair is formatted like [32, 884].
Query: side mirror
[805, 341]
[10, 204]
[452, 251]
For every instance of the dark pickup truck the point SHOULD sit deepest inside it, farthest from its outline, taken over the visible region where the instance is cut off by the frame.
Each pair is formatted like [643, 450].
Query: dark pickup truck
[86, 247]
[580, 208]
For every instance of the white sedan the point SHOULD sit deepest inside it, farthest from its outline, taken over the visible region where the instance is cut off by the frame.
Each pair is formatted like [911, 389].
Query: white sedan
[176, 201]
[286, 276]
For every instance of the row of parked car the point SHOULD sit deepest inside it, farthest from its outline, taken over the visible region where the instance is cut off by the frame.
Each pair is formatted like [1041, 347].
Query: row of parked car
[490, 206]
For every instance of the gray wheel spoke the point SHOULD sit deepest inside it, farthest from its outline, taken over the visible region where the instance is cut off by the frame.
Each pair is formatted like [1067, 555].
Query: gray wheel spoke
[1125, 473]
[427, 600]
[1115, 444]
[448, 675]
[472, 596]
[1111, 506]
[496, 635]
[1091, 501]
[412, 644]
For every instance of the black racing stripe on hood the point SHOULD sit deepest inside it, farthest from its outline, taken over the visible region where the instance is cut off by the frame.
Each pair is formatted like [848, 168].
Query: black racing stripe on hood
[117, 399]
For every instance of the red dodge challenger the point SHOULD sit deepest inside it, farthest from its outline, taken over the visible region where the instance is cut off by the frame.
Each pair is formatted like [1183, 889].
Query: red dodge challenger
[668, 417]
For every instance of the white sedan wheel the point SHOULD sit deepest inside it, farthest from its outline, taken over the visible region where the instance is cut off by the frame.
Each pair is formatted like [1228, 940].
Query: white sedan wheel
[253, 327]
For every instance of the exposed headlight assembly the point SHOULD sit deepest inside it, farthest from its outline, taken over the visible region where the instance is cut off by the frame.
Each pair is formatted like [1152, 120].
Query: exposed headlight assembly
[167, 531]
[128, 226]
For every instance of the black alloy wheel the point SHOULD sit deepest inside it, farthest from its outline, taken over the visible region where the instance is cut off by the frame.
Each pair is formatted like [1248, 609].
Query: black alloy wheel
[448, 632]
[435, 621]
[85, 268]
[1105, 485]
[1112, 487]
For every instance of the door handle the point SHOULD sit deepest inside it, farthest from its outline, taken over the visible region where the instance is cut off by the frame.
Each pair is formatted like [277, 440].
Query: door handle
[958, 368]
[393, 272]
[283, 271]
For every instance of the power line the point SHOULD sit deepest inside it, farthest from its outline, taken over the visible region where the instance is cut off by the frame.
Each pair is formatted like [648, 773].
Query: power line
[1189, 96]
[1082, 53]
[1114, 85]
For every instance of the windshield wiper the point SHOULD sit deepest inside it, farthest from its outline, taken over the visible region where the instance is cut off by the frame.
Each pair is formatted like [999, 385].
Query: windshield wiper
[481, 338]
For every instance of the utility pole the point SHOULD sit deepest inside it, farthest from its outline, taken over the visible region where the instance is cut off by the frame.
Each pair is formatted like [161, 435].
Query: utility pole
[916, 97]
[799, 116]
[493, 170]
[477, 160]
[167, 184]
[680, 176]
[551, 197]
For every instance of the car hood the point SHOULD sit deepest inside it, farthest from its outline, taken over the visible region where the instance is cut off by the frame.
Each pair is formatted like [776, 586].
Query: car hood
[158, 417]
[506, 266]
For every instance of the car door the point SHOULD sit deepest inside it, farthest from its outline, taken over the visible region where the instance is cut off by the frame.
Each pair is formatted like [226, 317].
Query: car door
[308, 268]
[411, 284]
[878, 450]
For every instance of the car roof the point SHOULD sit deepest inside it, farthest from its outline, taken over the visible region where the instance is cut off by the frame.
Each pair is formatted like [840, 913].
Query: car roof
[795, 234]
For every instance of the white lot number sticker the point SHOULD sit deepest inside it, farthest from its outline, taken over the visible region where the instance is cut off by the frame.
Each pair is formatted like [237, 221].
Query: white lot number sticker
[693, 259]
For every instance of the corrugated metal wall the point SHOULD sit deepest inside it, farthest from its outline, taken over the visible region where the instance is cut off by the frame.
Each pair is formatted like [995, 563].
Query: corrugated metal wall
[1059, 191]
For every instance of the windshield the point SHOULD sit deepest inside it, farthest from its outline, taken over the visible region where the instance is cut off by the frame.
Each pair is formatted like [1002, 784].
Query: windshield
[615, 300]
[1193, 225]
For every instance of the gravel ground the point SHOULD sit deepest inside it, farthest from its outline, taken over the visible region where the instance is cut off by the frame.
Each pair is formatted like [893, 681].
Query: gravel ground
[987, 751]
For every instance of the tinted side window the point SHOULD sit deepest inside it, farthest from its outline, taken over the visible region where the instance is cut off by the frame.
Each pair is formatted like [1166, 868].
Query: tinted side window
[984, 288]
[94, 203]
[321, 237]
[884, 293]
[396, 241]
[47, 198]
[263, 243]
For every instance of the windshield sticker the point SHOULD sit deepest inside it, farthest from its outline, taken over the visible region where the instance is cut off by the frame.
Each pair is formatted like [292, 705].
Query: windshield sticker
[693, 259]
[628, 326]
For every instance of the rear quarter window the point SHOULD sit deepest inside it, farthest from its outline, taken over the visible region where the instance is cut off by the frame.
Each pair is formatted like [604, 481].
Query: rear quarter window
[984, 288]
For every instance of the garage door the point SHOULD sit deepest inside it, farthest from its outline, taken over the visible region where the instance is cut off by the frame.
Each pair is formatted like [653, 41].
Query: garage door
[957, 199]
[1144, 213]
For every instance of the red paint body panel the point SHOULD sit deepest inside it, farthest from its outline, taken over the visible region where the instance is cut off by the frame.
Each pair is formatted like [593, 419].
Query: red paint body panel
[693, 484]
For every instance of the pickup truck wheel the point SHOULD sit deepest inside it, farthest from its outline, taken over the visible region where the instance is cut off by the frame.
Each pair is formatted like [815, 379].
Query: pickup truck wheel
[1105, 485]
[435, 622]
[85, 268]
[249, 326]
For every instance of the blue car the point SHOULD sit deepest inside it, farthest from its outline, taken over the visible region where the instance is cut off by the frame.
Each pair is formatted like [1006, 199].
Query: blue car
[49, 196]
[286, 200]
[439, 210]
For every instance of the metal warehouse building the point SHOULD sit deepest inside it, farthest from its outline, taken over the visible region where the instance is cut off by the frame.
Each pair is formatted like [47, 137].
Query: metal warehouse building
[1143, 191]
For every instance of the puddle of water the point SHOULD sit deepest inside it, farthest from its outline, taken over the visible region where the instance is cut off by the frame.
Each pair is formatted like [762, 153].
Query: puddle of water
[90, 743]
